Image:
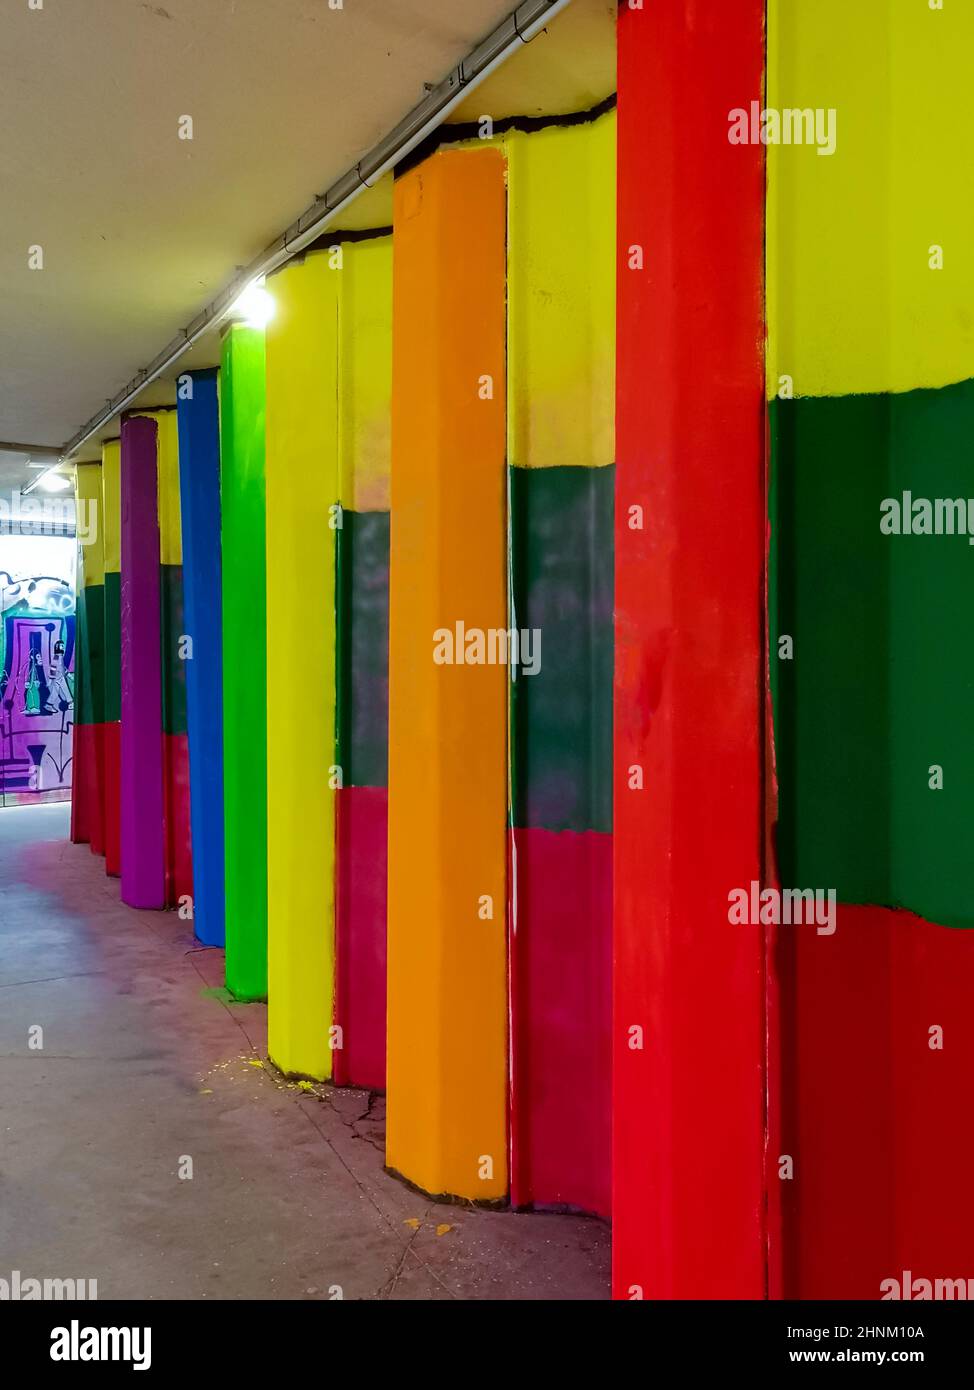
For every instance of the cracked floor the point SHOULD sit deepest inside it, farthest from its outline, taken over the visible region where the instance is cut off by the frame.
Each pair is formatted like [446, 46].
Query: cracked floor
[146, 1062]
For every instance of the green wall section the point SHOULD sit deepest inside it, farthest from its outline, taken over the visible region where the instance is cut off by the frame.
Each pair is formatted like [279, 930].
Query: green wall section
[113, 647]
[562, 583]
[881, 686]
[363, 648]
[172, 627]
[89, 682]
[244, 660]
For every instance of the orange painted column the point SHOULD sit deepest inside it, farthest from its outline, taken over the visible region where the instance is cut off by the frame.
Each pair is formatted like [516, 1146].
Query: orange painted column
[447, 965]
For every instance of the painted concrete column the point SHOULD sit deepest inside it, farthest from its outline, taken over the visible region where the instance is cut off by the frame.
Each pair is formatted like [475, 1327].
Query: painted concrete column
[244, 661]
[175, 738]
[561, 451]
[142, 805]
[362, 659]
[199, 492]
[302, 490]
[447, 1010]
[87, 796]
[109, 518]
[689, 1018]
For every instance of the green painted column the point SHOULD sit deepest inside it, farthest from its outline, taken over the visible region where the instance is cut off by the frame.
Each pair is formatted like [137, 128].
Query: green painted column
[244, 659]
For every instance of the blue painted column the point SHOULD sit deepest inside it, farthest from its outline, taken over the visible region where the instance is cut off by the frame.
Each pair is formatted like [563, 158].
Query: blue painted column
[199, 490]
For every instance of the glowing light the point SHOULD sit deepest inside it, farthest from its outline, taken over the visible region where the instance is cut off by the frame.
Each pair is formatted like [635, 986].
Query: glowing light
[255, 306]
[54, 482]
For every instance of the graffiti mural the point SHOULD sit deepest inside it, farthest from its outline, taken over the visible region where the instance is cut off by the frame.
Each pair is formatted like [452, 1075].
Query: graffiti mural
[37, 637]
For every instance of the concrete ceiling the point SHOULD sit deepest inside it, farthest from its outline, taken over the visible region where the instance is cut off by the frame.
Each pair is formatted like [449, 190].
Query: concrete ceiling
[141, 229]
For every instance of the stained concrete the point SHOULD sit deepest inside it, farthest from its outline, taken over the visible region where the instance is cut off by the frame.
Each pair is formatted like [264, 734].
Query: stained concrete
[145, 1061]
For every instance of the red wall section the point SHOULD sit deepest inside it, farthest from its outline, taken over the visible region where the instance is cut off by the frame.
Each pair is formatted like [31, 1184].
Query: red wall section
[688, 1150]
[561, 983]
[179, 846]
[876, 1121]
[360, 1007]
[96, 825]
[112, 764]
[933, 1125]
[83, 784]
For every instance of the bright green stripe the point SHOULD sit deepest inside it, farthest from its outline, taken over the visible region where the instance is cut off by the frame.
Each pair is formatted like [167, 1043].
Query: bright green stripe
[882, 681]
[172, 629]
[244, 660]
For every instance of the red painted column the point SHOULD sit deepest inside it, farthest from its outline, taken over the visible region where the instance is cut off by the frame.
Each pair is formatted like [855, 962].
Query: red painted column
[689, 988]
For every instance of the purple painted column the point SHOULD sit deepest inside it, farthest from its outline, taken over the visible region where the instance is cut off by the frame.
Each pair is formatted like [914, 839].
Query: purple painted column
[142, 806]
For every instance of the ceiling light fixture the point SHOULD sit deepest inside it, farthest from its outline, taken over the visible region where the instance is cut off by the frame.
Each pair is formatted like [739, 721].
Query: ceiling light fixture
[53, 482]
[255, 306]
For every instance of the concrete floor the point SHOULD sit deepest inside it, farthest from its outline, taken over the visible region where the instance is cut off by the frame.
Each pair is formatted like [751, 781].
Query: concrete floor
[145, 1060]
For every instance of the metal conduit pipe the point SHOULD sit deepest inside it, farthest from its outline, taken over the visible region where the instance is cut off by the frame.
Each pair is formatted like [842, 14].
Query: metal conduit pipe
[519, 28]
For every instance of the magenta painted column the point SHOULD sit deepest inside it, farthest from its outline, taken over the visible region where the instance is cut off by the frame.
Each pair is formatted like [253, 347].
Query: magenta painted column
[142, 806]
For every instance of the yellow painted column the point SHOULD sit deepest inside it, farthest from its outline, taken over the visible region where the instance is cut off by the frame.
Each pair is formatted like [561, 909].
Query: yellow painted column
[447, 972]
[301, 502]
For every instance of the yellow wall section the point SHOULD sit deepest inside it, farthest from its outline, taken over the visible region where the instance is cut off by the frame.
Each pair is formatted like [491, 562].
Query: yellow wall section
[561, 287]
[852, 303]
[87, 489]
[170, 524]
[301, 487]
[447, 968]
[167, 484]
[110, 517]
[365, 373]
